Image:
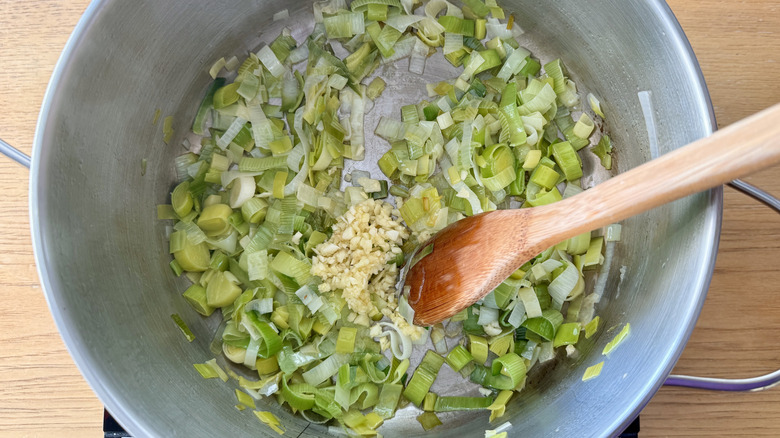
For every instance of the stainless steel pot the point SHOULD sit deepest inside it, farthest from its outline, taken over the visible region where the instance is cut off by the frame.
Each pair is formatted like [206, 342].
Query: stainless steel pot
[101, 252]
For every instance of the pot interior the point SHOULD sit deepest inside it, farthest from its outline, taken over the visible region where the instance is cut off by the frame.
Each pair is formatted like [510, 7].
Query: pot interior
[103, 255]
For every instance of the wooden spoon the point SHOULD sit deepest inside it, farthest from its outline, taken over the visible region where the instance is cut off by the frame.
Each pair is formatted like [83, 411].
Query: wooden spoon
[474, 255]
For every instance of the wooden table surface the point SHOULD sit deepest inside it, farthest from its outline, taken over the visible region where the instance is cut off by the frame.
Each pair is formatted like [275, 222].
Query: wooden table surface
[737, 43]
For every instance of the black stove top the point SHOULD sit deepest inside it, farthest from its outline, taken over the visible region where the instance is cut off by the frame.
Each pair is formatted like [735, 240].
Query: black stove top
[112, 429]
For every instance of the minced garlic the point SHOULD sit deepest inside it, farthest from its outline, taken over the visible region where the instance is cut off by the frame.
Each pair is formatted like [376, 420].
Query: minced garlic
[364, 240]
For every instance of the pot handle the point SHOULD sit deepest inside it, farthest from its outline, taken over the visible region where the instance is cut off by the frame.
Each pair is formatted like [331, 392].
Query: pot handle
[757, 383]
[14, 154]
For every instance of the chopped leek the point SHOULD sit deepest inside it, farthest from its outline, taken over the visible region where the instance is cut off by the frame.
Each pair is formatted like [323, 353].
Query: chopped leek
[271, 421]
[593, 371]
[498, 407]
[259, 197]
[478, 348]
[423, 377]
[183, 327]
[428, 420]
[449, 404]
[591, 327]
[617, 340]
[567, 334]
[210, 370]
[546, 325]
[603, 150]
[458, 358]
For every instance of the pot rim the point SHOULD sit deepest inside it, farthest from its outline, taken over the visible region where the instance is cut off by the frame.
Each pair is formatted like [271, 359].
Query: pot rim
[114, 404]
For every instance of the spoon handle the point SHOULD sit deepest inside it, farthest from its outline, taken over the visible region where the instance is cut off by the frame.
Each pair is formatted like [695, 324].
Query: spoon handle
[737, 150]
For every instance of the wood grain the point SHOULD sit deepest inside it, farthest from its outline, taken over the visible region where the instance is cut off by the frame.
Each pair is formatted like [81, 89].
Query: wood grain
[42, 393]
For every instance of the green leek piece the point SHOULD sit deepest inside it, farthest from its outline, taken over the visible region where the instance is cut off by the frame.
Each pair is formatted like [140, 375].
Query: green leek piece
[431, 112]
[532, 160]
[470, 325]
[286, 264]
[491, 59]
[165, 212]
[593, 371]
[245, 399]
[567, 334]
[193, 258]
[531, 67]
[545, 197]
[384, 38]
[554, 69]
[450, 404]
[388, 400]
[593, 256]
[501, 344]
[248, 164]
[584, 126]
[196, 296]
[517, 187]
[344, 25]
[592, 327]
[543, 296]
[199, 124]
[267, 366]
[457, 25]
[280, 180]
[346, 340]
[603, 150]
[429, 401]
[595, 105]
[299, 396]
[222, 290]
[271, 421]
[423, 377]
[579, 244]
[480, 29]
[546, 325]
[176, 268]
[545, 177]
[568, 160]
[250, 86]
[478, 347]
[499, 169]
[508, 371]
[282, 46]
[213, 219]
[254, 210]
[504, 293]
[271, 344]
[181, 199]
[477, 7]
[183, 327]
[498, 407]
[210, 370]
[512, 125]
[375, 88]
[281, 145]
[382, 192]
[376, 12]
[458, 358]
[428, 420]
[315, 239]
[617, 340]
[226, 95]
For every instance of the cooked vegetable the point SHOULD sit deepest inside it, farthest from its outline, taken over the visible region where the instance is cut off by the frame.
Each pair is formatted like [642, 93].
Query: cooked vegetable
[304, 273]
[617, 340]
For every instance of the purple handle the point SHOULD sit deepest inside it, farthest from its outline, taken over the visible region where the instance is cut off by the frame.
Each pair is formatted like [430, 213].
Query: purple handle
[753, 383]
